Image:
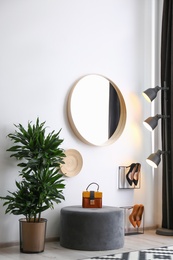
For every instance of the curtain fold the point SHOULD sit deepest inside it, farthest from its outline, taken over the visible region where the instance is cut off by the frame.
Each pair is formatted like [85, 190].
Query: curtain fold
[167, 105]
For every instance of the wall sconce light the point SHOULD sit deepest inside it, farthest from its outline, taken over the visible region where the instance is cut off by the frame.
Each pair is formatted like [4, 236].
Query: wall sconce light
[154, 158]
[151, 122]
[151, 93]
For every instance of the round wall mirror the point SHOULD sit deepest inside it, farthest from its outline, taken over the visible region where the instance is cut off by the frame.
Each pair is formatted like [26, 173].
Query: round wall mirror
[96, 110]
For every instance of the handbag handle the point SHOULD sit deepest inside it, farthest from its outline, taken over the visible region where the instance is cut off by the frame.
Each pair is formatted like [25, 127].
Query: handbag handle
[93, 183]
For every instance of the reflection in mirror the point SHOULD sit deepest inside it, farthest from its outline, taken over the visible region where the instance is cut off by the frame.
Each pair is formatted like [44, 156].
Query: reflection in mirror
[114, 110]
[96, 110]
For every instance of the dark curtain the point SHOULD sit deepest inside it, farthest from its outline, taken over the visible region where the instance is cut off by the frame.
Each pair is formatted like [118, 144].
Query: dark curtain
[167, 107]
[114, 110]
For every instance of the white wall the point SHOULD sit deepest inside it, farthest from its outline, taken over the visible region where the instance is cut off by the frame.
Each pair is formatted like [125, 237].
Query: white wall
[45, 46]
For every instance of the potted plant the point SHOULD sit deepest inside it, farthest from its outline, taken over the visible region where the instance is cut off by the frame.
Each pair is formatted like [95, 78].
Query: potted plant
[41, 183]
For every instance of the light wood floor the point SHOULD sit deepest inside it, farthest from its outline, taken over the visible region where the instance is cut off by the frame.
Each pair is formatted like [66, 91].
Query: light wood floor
[53, 250]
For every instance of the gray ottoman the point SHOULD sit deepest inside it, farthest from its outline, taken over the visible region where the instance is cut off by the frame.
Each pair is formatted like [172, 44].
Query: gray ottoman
[92, 229]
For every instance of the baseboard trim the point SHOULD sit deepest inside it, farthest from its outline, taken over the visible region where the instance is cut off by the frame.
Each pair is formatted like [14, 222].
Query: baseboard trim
[10, 244]
[151, 228]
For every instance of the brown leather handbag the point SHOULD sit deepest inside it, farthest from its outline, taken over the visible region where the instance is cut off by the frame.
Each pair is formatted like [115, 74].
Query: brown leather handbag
[92, 199]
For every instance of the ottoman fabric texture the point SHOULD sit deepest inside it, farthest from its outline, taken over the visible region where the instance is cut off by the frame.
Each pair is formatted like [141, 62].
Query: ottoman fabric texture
[92, 229]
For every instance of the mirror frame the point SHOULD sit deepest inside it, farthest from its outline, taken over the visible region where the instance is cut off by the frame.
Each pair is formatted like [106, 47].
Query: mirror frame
[122, 119]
